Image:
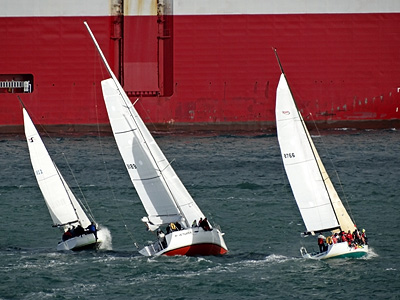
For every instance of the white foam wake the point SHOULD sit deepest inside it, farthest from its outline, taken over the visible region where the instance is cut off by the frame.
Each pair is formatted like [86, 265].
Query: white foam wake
[105, 235]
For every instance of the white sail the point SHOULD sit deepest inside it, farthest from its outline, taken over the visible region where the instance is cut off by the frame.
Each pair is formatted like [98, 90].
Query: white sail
[62, 204]
[162, 193]
[312, 188]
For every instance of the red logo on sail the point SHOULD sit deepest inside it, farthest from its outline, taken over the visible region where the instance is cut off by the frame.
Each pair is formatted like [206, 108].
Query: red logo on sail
[286, 112]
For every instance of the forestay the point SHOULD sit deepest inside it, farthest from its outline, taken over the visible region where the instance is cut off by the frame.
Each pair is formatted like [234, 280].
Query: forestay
[62, 204]
[162, 193]
[309, 181]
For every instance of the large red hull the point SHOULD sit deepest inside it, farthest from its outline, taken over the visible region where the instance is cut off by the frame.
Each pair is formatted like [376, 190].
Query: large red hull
[212, 71]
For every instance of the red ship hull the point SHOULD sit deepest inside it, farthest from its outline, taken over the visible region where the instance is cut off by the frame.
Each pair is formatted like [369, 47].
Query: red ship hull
[206, 71]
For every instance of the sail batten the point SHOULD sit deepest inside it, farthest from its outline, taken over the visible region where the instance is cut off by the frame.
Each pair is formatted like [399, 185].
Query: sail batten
[318, 202]
[126, 131]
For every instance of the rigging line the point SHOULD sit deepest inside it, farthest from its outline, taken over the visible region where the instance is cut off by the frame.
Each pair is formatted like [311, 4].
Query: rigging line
[131, 113]
[129, 232]
[169, 164]
[150, 122]
[155, 161]
[126, 100]
[66, 189]
[66, 160]
[309, 139]
[85, 204]
[348, 207]
[314, 152]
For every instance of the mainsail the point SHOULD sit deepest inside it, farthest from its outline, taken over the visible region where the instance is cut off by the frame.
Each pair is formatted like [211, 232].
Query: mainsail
[317, 199]
[63, 207]
[162, 193]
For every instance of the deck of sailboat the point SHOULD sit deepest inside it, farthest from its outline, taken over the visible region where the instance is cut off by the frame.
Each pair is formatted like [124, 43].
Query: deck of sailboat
[190, 242]
[339, 250]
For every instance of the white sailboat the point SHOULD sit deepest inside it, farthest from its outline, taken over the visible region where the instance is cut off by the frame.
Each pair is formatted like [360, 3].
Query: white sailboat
[318, 202]
[64, 208]
[164, 197]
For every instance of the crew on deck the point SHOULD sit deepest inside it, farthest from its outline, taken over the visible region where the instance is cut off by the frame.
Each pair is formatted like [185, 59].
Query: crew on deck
[354, 239]
[203, 223]
[79, 231]
[174, 227]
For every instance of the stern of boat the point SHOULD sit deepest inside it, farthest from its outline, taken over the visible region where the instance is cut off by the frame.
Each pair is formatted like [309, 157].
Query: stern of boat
[191, 242]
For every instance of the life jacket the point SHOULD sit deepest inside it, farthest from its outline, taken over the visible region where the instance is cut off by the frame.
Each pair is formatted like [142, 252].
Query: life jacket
[329, 240]
[172, 225]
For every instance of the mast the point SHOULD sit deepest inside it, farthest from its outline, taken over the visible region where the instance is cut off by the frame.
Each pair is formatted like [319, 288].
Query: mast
[69, 196]
[129, 106]
[63, 207]
[341, 215]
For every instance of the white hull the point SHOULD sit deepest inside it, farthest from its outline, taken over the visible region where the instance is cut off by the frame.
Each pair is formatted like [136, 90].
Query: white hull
[85, 241]
[339, 250]
[191, 241]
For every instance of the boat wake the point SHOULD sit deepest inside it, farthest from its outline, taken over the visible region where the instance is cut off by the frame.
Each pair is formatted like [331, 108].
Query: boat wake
[277, 258]
[371, 254]
[107, 239]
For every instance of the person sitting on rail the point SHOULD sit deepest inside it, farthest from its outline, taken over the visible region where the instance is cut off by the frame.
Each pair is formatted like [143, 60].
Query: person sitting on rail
[67, 235]
[92, 229]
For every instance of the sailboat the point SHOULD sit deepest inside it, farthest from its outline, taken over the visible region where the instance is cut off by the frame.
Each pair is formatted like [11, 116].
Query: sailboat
[79, 232]
[318, 202]
[166, 201]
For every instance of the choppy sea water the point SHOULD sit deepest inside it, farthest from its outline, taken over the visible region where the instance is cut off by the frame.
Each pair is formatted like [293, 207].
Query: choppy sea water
[240, 185]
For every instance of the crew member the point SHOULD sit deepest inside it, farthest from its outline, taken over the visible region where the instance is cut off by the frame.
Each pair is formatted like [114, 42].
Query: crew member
[321, 243]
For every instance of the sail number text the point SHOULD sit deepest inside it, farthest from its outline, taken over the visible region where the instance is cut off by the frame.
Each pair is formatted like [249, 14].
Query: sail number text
[39, 172]
[289, 155]
[131, 166]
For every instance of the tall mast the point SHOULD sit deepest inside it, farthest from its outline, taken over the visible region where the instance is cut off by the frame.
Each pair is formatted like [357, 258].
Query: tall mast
[310, 141]
[132, 117]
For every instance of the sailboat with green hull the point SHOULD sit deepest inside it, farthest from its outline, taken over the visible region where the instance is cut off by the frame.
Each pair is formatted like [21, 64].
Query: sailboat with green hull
[318, 202]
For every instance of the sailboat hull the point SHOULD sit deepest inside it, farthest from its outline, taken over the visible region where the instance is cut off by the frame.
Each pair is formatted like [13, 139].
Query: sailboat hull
[339, 250]
[82, 242]
[191, 242]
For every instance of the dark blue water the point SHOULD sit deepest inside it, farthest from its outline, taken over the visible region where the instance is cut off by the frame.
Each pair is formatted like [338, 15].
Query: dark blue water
[239, 183]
